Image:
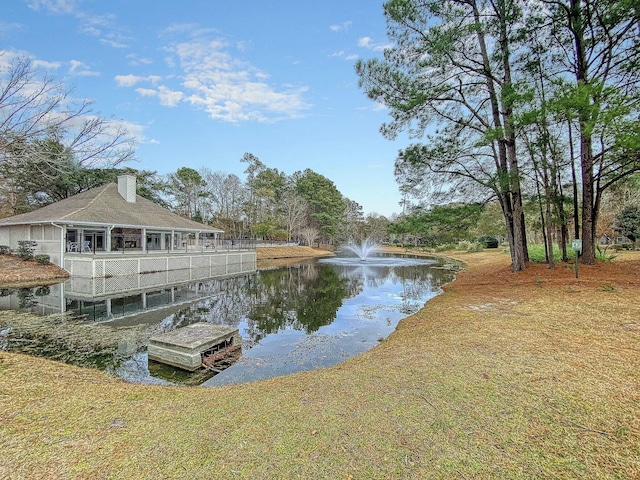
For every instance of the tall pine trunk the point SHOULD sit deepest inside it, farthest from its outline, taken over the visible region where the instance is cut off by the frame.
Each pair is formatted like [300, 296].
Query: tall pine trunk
[507, 159]
[576, 25]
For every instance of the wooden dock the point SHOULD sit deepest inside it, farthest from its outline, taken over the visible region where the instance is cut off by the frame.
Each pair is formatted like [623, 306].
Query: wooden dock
[185, 347]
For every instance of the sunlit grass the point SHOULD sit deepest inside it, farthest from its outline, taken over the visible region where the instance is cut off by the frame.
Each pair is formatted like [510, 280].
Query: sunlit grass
[537, 253]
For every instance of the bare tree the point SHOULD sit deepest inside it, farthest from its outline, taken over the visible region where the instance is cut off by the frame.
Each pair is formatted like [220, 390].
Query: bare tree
[353, 222]
[34, 108]
[294, 212]
[226, 197]
[309, 235]
[377, 226]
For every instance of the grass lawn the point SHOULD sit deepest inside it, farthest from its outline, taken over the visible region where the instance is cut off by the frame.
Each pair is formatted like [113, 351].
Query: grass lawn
[507, 375]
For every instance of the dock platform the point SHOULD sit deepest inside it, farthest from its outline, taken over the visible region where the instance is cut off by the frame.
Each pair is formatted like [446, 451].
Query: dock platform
[185, 347]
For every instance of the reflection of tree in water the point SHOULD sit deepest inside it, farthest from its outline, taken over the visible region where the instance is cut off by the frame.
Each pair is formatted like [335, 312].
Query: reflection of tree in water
[322, 300]
[226, 306]
[26, 297]
[362, 274]
[303, 297]
[416, 279]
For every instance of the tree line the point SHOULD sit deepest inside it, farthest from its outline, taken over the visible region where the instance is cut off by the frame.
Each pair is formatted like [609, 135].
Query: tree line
[513, 101]
[268, 204]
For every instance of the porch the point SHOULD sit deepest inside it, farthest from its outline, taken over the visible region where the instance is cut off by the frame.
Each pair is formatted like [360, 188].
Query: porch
[110, 239]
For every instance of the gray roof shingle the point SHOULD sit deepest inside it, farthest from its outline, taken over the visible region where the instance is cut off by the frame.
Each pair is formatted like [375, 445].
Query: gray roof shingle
[105, 206]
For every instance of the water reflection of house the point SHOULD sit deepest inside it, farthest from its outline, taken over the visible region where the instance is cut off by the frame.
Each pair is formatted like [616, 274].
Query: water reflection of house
[109, 230]
[130, 298]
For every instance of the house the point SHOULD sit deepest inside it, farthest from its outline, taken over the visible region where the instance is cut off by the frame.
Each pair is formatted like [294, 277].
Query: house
[110, 230]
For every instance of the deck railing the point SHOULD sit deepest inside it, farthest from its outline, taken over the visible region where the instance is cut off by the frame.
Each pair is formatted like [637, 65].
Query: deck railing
[220, 245]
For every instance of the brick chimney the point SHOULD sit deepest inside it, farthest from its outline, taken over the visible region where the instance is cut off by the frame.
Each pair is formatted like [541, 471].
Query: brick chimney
[127, 187]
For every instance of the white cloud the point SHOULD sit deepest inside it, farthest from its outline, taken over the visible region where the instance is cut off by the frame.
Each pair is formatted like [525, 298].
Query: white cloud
[227, 88]
[212, 79]
[91, 31]
[9, 56]
[135, 61]
[131, 80]
[364, 42]
[53, 6]
[9, 28]
[46, 65]
[81, 69]
[367, 42]
[96, 22]
[128, 80]
[146, 92]
[243, 46]
[192, 30]
[105, 28]
[113, 43]
[343, 54]
[180, 28]
[341, 27]
[134, 129]
[167, 97]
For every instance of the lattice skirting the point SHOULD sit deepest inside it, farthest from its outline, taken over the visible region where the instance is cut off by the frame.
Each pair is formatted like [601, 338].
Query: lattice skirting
[159, 270]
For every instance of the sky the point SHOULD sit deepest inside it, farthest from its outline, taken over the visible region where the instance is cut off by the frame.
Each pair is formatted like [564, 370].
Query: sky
[199, 83]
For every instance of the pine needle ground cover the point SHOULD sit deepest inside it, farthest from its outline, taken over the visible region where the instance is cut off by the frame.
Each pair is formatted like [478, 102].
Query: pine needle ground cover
[507, 375]
[17, 272]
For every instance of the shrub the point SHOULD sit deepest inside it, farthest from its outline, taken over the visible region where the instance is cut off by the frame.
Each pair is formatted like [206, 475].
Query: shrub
[601, 254]
[537, 255]
[446, 246]
[43, 259]
[488, 241]
[622, 246]
[25, 249]
[42, 291]
[475, 247]
[5, 250]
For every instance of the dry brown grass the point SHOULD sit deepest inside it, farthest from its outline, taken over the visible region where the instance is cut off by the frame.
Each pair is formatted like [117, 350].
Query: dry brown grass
[17, 272]
[290, 252]
[527, 375]
[275, 257]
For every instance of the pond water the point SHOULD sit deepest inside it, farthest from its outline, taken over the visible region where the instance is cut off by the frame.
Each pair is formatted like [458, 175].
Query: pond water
[305, 316]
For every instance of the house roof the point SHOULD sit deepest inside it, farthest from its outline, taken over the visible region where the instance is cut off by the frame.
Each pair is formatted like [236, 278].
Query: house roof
[104, 206]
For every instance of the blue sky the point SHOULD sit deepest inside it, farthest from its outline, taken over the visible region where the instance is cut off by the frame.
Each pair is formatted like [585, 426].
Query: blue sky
[201, 82]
